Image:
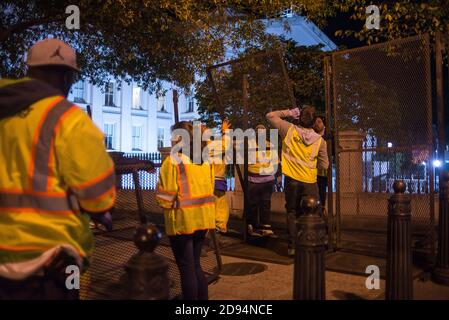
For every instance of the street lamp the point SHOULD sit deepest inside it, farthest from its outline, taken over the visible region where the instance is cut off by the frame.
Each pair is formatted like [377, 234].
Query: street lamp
[436, 163]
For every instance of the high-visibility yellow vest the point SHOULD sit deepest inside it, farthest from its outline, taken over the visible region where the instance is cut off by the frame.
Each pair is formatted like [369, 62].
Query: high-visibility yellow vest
[299, 161]
[53, 166]
[186, 193]
[266, 162]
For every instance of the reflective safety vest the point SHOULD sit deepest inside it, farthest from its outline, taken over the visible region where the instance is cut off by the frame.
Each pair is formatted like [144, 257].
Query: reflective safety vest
[299, 161]
[186, 193]
[53, 166]
[266, 162]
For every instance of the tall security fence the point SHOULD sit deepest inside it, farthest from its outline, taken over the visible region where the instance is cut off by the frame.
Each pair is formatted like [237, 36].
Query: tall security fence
[379, 103]
[246, 88]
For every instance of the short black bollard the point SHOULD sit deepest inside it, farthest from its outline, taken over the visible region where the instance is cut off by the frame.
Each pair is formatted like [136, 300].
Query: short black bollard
[441, 272]
[146, 272]
[399, 282]
[311, 242]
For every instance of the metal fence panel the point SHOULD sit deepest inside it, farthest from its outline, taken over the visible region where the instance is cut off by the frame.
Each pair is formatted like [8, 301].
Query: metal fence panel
[382, 123]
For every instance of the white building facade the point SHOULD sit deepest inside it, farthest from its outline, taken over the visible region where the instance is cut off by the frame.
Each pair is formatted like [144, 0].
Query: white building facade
[133, 120]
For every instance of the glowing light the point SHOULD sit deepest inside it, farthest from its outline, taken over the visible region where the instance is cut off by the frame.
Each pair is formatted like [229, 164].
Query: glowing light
[389, 145]
[436, 163]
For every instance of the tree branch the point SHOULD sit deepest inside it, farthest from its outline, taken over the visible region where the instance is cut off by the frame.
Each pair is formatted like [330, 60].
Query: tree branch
[22, 26]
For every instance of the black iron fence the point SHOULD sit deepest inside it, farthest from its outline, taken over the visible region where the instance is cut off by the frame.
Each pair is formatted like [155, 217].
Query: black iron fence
[148, 180]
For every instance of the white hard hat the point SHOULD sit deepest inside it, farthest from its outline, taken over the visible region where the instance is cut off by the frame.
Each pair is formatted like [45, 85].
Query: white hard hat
[52, 52]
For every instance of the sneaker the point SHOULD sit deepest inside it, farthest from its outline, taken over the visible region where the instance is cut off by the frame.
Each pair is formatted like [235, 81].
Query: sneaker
[253, 232]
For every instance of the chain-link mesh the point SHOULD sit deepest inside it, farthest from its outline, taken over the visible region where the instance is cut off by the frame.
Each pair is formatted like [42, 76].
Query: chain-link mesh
[382, 119]
[113, 249]
[246, 88]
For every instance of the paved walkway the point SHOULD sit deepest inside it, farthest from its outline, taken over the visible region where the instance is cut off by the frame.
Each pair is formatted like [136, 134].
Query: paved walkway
[276, 283]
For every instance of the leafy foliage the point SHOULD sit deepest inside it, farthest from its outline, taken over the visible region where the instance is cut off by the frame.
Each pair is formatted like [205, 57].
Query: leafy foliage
[142, 40]
[399, 19]
[267, 87]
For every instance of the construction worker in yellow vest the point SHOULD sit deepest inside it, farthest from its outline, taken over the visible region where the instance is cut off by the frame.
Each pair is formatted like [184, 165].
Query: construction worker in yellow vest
[303, 153]
[185, 191]
[54, 169]
[261, 180]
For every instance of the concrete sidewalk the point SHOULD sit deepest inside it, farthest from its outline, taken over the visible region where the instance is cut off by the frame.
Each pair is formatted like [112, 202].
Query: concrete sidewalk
[276, 283]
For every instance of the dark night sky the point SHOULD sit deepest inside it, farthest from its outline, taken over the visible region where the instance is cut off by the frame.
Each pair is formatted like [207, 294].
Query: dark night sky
[343, 22]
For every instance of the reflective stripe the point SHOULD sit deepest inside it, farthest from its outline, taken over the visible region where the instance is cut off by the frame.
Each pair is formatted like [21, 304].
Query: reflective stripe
[25, 201]
[165, 195]
[185, 190]
[97, 189]
[43, 146]
[180, 203]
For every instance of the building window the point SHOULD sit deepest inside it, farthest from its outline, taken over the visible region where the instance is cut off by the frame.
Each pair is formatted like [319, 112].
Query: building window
[190, 105]
[109, 94]
[109, 136]
[161, 103]
[137, 138]
[78, 92]
[160, 137]
[137, 104]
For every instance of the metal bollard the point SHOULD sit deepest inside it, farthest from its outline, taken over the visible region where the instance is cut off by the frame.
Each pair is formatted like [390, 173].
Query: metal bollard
[441, 273]
[146, 272]
[399, 282]
[311, 242]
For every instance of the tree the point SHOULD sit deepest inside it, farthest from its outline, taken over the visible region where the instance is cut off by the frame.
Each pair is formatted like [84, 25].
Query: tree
[141, 40]
[398, 19]
[267, 87]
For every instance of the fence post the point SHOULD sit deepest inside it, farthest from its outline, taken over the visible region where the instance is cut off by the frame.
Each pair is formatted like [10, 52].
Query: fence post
[146, 272]
[399, 282]
[311, 242]
[441, 272]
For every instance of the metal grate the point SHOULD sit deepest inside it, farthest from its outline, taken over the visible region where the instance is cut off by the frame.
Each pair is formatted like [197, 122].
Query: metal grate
[247, 88]
[382, 123]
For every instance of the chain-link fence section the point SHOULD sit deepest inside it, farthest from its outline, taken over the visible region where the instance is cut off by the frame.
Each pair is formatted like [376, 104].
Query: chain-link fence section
[382, 120]
[246, 89]
[135, 204]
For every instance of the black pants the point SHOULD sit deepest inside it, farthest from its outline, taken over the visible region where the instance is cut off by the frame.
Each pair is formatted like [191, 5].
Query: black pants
[187, 252]
[50, 286]
[294, 191]
[322, 186]
[259, 195]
